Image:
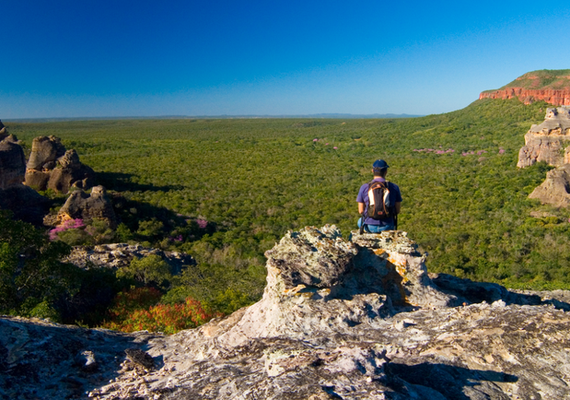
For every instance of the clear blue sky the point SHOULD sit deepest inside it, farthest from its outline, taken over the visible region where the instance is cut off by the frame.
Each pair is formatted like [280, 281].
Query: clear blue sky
[149, 58]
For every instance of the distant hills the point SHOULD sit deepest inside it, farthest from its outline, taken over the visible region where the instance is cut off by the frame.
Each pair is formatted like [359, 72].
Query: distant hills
[550, 85]
[323, 115]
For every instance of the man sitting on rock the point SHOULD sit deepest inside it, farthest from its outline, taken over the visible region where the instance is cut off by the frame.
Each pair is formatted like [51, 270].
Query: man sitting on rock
[378, 201]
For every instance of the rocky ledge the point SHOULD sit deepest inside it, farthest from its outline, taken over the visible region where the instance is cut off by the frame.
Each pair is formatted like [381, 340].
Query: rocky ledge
[548, 141]
[120, 255]
[357, 319]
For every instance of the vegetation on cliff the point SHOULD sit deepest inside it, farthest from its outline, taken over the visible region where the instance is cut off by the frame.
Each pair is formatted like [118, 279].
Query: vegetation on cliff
[555, 79]
[226, 190]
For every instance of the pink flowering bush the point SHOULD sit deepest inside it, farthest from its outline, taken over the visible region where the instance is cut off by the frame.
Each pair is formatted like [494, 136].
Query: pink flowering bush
[202, 223]
[69, 224]
[77, 232]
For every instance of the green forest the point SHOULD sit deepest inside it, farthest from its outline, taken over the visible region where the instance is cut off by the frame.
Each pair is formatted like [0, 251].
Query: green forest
[226, 190]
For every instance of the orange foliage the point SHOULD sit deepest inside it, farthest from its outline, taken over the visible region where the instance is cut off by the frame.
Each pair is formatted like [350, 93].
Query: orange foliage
[137, 310]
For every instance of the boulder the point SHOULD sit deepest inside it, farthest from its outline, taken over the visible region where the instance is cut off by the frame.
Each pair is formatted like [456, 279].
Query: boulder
[53, 167]
[95, 205]
[548, 141]
[12, 162]
[555, 189]
[24, 202]
[45, 152]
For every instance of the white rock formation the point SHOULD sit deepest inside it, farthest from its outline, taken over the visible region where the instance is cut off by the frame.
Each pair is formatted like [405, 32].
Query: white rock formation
[339, 319]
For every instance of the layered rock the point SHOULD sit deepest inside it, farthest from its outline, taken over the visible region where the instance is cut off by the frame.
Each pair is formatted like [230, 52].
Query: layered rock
[357, 319]
[548, 141]
[557, 97]
[81, 205]
[551, 86]
[51, 166]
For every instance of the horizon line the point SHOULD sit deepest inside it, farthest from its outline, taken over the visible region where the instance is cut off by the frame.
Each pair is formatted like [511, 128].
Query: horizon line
[221, 116]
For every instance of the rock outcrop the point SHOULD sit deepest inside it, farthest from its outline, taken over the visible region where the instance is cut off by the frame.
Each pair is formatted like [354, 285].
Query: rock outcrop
[555, 189]
[549, 141]
[357, 319]
[51, 166]
[119, 255]
[24, 202]
[86, 206]
[12, 160]
[552, 86]
[560, 97]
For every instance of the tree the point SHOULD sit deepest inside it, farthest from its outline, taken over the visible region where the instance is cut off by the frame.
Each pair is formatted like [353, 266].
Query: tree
[149, 269]
[32, 277]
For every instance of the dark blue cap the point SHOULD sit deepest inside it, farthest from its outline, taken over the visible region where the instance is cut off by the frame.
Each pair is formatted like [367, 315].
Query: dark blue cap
[380, 164]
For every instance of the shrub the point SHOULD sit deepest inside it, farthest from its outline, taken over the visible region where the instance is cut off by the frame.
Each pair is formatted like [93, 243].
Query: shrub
[149, 269]
[137, 310]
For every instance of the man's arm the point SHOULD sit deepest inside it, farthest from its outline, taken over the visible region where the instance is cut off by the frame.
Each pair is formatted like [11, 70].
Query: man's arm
[361, 208]
[397, 207]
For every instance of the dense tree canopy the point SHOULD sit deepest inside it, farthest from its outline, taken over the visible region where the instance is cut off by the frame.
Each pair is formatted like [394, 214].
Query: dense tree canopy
[226, 190]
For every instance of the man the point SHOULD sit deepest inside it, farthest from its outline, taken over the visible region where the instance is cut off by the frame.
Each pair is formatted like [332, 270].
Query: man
[371, 225]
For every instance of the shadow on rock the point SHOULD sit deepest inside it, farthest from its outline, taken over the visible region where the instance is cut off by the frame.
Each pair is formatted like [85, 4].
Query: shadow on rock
[441, 381]
[478, 292]
[44, 360]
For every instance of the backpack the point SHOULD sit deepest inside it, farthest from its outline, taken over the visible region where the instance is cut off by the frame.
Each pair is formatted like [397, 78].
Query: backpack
[380, 206]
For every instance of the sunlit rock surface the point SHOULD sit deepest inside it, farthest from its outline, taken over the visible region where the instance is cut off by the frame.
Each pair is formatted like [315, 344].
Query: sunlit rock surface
[339, 319]
[53, 167]
[548, 141]
[555, 189]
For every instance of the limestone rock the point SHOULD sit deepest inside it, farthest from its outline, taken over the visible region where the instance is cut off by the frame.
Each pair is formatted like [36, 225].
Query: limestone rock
[95, 205]
[374, 326]
[548, 141]
[51, 166]
[555, 189]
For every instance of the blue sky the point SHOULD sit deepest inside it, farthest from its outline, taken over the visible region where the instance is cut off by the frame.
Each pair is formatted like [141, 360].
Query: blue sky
[150, 58]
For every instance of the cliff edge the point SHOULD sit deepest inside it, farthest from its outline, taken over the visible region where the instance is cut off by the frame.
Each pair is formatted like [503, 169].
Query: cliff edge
[339, 319]
[552, 86]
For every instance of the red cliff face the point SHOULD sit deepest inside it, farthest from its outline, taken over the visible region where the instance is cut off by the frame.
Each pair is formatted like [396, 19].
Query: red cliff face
[557, 97]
